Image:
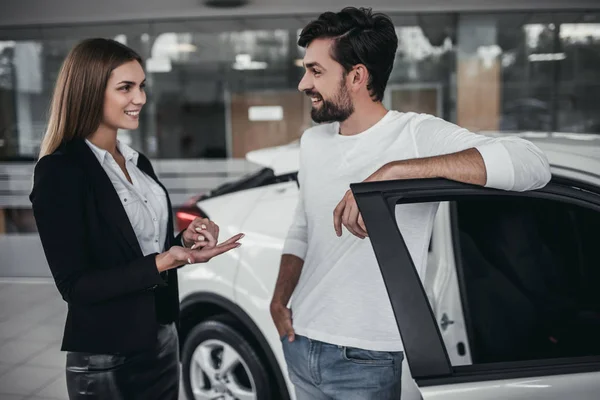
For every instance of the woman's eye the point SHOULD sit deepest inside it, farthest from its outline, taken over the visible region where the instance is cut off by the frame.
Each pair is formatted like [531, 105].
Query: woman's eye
[125, 88]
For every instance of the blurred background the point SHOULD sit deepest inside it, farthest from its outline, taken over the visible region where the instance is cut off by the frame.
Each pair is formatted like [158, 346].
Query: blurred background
[222, 81]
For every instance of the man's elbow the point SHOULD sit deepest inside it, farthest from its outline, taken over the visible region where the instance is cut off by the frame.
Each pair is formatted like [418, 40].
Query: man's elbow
[547, 176]
[538, 171]
[544, 175]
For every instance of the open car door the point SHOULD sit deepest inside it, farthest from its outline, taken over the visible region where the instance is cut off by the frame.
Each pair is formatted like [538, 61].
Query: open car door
[528, 270]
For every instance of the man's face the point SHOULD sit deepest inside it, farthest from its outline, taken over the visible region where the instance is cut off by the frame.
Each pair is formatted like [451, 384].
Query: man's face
[325, 83]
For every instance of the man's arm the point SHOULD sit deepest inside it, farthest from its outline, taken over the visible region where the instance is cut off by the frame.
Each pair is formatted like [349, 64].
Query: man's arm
[466, 166]
[289, 274]
[445, 150]
[290, 269]
[510, 163]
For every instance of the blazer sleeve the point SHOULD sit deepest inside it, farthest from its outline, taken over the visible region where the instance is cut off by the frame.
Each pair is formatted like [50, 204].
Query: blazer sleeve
[58, 207]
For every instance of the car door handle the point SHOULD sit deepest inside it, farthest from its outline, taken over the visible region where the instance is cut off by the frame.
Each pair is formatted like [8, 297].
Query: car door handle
[445, 322]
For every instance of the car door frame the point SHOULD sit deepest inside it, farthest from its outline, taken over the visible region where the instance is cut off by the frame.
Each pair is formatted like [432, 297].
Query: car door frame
[423, 344]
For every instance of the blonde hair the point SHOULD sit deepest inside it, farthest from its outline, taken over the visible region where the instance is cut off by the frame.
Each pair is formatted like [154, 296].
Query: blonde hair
[78, 101]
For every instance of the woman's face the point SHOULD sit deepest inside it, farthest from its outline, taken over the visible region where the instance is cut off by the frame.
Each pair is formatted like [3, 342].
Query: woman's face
[124, 97]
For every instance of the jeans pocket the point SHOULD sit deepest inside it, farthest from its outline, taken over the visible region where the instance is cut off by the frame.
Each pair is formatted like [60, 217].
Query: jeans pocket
[368, 357]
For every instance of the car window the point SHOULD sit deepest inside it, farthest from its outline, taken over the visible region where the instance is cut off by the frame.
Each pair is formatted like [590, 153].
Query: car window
[528, 275]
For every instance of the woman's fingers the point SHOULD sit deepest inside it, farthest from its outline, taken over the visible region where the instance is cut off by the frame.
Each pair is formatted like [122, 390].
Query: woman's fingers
[208, 225]
[232, 239]
[207, 252]
[220, 249]
[204, 239]
[197, 223]
[199, 245]
[215, 231]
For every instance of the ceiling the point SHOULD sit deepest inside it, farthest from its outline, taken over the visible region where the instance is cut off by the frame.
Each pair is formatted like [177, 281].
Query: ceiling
[27, 13]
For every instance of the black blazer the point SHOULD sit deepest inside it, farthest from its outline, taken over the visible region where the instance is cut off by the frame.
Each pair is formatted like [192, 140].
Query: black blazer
[115, 295]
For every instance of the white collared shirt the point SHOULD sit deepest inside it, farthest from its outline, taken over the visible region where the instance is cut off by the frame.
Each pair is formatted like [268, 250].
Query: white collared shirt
[144, 201]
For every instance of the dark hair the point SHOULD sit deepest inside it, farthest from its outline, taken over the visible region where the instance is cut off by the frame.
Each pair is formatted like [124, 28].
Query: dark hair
[360, 37]
[78, 100]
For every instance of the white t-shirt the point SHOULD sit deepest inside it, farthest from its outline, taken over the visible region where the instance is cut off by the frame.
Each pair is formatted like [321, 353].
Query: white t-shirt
[340, 297]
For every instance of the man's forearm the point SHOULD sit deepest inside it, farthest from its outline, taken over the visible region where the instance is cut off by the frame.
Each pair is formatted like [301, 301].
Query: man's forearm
[289, 274]
[466, 166]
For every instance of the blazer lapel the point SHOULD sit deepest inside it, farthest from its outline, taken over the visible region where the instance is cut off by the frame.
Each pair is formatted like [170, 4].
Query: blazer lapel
[106, 197]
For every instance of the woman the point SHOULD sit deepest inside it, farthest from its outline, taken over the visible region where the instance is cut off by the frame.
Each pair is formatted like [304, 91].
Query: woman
[106, 227]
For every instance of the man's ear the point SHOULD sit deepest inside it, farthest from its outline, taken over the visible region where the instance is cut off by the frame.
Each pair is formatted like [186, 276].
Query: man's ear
[359, 76]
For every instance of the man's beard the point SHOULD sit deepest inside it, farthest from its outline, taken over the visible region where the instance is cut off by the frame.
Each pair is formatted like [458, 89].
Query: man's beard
[336, 110]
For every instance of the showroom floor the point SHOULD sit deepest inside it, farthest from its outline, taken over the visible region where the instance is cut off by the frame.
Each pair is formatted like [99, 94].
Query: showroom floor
[32, 316]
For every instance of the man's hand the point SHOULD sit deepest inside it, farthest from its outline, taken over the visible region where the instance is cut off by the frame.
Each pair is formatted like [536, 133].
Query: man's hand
[282, 317]
[346, 212]
[287, 279]
[201, 232]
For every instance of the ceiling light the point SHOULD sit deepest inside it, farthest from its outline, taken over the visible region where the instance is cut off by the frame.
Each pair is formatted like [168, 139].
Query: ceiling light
[185, 48]
[158, 64]
[265, 113]
[244, 62]
[547, 57]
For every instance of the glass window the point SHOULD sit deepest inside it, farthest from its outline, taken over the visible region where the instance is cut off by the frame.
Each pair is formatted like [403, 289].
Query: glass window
[529, 72]
[205, 87]
[579, 75]
[528, 282]
[424, 66]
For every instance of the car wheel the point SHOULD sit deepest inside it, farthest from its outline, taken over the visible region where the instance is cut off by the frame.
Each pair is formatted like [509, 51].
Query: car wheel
[218, 363]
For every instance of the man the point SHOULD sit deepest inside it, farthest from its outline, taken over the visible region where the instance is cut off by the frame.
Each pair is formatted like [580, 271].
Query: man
[343, 342]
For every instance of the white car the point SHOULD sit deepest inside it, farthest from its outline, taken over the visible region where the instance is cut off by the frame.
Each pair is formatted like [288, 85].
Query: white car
[508, 306]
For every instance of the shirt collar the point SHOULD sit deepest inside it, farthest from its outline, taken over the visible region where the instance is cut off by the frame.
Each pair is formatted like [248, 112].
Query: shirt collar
[129, 153]
[98, 152]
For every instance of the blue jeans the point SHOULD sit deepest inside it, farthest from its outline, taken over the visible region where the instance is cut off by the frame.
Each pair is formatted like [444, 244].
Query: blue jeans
[322, 371]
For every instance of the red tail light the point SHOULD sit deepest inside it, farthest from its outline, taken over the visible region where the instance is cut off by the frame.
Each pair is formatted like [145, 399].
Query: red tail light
[185, 215]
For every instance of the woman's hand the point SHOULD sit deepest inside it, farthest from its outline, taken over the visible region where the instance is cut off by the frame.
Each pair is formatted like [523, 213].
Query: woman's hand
[201, 232]
[177, 256]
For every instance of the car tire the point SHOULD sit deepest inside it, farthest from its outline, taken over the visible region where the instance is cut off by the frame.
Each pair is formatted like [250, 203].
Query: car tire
[203, 350]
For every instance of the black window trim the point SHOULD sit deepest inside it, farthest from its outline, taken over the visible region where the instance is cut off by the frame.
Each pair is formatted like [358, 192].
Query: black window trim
[460, 276]
[423, 343]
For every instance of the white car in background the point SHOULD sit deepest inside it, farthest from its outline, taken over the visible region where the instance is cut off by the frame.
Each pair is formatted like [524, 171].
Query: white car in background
[508, 306]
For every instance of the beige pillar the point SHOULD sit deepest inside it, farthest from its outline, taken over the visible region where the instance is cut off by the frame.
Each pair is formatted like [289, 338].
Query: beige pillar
[478, 74]
[248, 135]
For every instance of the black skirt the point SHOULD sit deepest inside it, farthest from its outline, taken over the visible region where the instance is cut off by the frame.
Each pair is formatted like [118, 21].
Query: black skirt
[147, 375]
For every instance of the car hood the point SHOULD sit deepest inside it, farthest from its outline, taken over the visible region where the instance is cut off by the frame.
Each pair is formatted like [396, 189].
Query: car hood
[281, 159]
